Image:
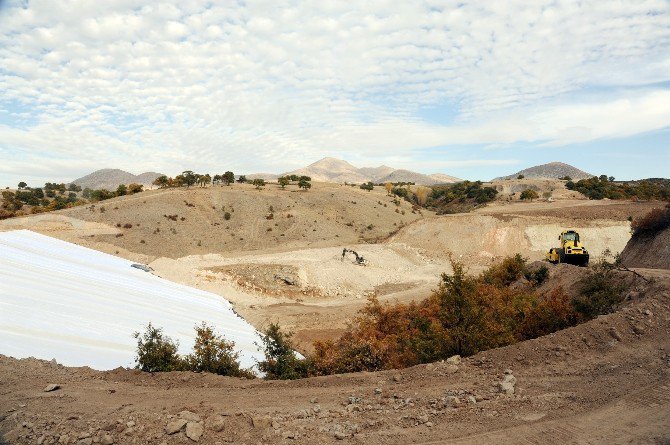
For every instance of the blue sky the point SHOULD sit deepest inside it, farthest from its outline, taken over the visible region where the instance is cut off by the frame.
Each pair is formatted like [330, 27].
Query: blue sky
[470, 89]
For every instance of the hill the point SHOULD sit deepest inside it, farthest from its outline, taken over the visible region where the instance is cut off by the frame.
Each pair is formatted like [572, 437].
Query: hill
[337, 170]
[110, 178]
[552, 170]
[178, 222]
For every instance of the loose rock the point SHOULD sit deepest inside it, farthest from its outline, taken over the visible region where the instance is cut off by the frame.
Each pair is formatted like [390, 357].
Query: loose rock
[175, 426]
[194, 430]
[52, 387]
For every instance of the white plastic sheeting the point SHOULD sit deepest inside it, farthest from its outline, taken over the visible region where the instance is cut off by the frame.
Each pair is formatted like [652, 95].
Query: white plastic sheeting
[80, 306]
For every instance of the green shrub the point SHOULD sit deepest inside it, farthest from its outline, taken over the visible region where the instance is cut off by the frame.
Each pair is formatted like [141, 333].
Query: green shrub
[212, 353]
[280, 362]
[226, 216]
[156, 352]
[599, 293]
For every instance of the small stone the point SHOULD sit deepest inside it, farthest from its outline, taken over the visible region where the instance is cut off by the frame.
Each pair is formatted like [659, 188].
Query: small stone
[454, 360]
[217, 423]
[429, 424]
[130, 424]
[106, 440]
[339, 435]
[508, 372]
[472, 399]
[452, 401]
[263, 422]
[615, 334]
[397, 378]
[174, 426]
[507, 384]
[52, 387]
[189, 416]
[86, 441]
[313, 400]
[451, 369]
[378, 391]
[194, 430]
[638, 329]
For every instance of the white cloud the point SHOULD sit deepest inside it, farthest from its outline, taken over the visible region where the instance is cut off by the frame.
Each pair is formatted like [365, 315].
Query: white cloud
[266, 85]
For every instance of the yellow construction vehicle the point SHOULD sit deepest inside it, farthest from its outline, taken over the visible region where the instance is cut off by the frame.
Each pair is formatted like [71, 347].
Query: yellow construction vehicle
[571, 251]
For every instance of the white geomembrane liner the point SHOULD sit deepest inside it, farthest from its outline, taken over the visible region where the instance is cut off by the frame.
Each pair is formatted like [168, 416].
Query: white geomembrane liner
[80, 306]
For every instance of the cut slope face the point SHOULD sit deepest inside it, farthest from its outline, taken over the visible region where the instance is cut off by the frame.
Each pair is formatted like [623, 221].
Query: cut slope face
[652, 252]
[79, 306]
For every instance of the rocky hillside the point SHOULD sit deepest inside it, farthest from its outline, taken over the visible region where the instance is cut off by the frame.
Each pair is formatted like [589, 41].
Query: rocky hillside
[337, 170]
[552, 170]
[110, 178]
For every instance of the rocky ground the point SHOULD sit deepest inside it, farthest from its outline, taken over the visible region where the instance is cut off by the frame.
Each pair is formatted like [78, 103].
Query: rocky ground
[606, 381]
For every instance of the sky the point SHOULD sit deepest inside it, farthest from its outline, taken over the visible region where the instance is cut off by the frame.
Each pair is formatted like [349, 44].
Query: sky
[471, 89]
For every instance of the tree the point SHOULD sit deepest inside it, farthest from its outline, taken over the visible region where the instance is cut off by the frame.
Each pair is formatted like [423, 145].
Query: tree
[242, 179]
[283, 181]
[520, 177]
[529, 194]
[228, 177]
[135, 188]
[121, 190]
[22, 185]
[388, 186]
[304, 183]
[189, 178]
[368, 186]
[161, 181]
[258, 183]
[74, 188]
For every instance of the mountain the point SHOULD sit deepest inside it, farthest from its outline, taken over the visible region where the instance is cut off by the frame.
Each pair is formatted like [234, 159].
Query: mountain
[337, 170]
[552, 170]
[110, 178]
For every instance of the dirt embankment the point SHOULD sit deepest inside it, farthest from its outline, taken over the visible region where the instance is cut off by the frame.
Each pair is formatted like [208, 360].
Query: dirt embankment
[650, 251]
[606, 381]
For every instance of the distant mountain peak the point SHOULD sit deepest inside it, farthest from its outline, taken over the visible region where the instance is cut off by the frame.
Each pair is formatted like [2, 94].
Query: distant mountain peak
[331, 169]
[550, 170]
[111, 178]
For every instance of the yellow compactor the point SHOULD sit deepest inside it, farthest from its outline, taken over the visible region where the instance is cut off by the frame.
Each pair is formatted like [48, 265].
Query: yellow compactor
[571, 250]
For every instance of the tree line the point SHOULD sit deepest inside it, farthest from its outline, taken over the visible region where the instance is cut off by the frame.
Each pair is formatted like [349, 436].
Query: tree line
[188, 178]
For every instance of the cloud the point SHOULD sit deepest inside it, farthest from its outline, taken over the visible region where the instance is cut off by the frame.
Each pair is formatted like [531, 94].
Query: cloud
[266, 85]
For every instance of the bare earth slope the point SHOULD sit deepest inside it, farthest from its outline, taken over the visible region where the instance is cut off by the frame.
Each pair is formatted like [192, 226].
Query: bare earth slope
[647, 251]
[603, 382]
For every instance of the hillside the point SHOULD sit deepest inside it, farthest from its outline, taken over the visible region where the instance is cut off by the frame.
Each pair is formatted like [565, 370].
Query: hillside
[110, 178]
[175, 223]
[339, 171]
[552, 170]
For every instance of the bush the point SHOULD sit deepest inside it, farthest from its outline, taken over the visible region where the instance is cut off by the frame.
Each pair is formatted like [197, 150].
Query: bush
[529, 194]
[280, 362]
[212, 353]
[599, 293]
[226, 216]
[156, 352]
[548, 314]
